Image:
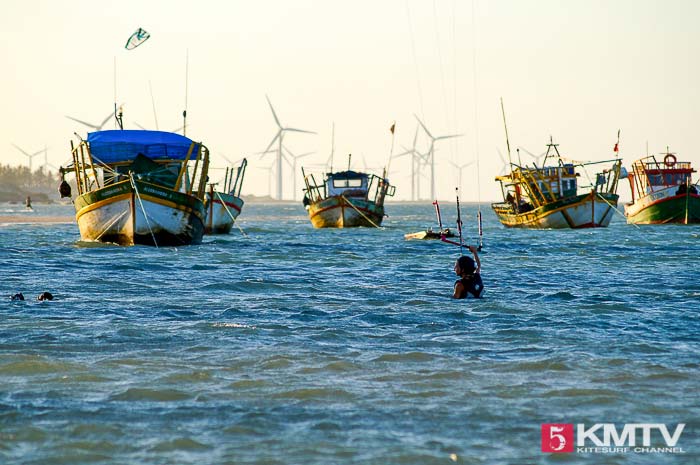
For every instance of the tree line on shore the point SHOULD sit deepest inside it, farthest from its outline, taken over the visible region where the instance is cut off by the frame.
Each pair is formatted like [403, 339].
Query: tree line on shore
[18, 182]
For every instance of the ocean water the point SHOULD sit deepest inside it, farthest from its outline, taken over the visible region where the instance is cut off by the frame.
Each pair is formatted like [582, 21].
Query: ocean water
[290, 345]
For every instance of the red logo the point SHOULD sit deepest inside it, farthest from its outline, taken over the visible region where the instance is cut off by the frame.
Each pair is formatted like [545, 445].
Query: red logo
[557, 437]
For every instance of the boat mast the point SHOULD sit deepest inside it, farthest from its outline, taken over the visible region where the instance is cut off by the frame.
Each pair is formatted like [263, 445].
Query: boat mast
[505, 126]
[184, 112]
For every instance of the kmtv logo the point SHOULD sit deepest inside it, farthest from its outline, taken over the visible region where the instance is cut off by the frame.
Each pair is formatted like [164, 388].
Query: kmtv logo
[557, 437]
[607, 438]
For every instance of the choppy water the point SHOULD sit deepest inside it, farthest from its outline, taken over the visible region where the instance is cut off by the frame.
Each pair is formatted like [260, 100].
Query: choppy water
[298, 346]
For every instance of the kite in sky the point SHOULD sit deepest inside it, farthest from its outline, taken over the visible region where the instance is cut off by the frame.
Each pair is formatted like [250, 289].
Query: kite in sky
[136, 39]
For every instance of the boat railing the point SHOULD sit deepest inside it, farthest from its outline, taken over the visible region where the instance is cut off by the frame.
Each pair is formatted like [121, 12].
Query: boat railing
[679, 165]
[84, 167]
[234, 187]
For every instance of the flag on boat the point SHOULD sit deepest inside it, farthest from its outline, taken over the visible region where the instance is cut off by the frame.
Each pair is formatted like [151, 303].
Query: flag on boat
[136, 39]
[617, 148]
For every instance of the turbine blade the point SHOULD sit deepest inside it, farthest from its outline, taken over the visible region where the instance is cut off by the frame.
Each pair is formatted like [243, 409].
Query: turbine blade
[274, 115]
[298, 130]
[274, 139]
[20, 149]
[423, 126]
[107, 119]
[449, 137]
[82, 122]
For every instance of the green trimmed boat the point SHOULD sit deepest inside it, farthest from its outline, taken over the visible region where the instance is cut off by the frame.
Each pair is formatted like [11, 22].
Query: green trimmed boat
[140, 187]
[662, 192]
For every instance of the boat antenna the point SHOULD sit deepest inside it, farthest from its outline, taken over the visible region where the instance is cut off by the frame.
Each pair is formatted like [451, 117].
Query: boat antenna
[184, 112]
[332, 145]
[349, 158]
[459, 223]
[505, 126]
[120, 118]
[116, 115]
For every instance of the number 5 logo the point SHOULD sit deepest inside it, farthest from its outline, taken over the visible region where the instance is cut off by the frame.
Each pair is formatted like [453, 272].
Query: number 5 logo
[557, 437]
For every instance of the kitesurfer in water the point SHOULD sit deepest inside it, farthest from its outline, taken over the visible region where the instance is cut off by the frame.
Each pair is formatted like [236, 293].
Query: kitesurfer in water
[469, 281]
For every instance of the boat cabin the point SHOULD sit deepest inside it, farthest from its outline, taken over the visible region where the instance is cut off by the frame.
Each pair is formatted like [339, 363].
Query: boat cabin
[649, 175]
[525, 188]
[347, 184]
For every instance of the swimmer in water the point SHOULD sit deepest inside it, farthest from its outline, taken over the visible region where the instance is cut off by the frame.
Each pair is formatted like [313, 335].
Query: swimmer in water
[45, 296]
[469, 281]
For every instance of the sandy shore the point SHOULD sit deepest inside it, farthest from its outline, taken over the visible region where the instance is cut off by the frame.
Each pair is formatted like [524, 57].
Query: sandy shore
[36, 219]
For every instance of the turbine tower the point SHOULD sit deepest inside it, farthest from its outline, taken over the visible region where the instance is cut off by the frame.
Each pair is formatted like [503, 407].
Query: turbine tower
[278, 138]
[416, 158]
[431, 154]
[293, 165]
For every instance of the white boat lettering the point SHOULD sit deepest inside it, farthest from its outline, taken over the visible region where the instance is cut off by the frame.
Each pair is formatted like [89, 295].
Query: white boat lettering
[112, 191]
[158, 192]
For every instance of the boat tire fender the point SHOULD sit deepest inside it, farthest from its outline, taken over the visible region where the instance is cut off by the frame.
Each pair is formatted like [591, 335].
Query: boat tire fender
[670, 160]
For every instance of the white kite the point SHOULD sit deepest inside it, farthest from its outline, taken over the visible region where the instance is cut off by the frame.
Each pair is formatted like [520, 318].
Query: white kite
[136, 39]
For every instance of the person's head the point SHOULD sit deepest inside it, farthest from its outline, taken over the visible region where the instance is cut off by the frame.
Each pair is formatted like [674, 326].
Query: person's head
[464, 265]
[45, 296]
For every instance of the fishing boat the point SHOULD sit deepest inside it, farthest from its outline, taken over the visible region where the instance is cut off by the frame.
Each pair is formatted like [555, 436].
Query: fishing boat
[140, 187]
[223, 207]
[346, 199]
[662, 192]
[548, 196]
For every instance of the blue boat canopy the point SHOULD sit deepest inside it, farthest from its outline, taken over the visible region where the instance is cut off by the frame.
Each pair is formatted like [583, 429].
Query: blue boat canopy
[116, 146]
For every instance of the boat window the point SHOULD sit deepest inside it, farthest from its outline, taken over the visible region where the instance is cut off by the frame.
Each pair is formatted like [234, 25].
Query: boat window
[340, 183]
[655, 180]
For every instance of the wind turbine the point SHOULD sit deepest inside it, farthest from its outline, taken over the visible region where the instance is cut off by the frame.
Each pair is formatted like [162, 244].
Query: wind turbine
[460, 168]
[536, 157]
[431, 154]
[30, 155]
[278, 138]
[416, 158]
[96, 127]
[293, 165]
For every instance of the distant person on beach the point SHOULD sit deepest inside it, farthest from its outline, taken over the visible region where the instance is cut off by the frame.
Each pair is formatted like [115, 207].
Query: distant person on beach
[469, 281]
[29, 203]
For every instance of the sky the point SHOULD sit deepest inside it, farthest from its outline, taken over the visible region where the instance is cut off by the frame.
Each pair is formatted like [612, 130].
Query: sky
[575, 70]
